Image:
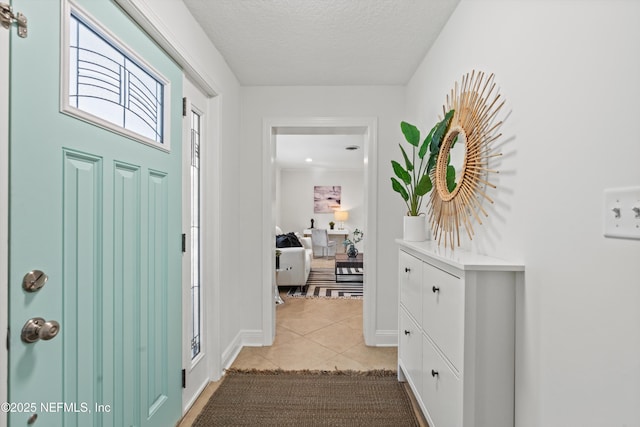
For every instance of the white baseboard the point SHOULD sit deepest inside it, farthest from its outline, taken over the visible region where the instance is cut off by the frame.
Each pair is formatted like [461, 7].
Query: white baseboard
[231, 352]
[386, 338]
[244, 338]
[195, 397]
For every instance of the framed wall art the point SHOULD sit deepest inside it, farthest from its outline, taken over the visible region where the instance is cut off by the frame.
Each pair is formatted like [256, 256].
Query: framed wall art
[326, 198]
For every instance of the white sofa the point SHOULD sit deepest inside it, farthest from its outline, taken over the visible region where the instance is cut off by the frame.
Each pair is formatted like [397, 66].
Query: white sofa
[295, 264]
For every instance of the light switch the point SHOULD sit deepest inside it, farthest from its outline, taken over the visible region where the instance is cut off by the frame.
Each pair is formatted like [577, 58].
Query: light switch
[622, 212]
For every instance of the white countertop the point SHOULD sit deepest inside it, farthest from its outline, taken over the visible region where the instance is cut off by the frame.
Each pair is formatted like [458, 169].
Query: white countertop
[460, 259]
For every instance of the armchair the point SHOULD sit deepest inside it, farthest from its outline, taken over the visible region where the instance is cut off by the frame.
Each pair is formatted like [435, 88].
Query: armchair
[320, 240]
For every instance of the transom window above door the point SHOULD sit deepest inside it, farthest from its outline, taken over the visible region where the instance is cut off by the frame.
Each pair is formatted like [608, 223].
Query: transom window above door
[106, 84]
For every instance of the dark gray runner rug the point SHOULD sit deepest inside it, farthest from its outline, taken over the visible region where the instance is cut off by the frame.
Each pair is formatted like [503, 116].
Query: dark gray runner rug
[309, 398]
[322, 283]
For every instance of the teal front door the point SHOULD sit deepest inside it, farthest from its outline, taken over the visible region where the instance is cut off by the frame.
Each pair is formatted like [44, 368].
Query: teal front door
[98, 213]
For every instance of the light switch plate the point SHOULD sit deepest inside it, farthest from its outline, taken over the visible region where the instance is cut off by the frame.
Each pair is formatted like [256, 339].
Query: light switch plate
[621, 212]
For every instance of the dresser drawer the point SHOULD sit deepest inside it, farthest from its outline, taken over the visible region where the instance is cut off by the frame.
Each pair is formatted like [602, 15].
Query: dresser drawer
[441, 389]
[443, 312]
[410, 351]
[410, 280]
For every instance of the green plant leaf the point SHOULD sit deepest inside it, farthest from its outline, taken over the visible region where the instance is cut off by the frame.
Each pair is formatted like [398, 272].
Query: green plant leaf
[441, 131]
[424, 186]
[395, 184]
[451, 178]
[411, 133]
[453, 144]
[406, 159]
[425, 145]
[400, 172]
[433, 158]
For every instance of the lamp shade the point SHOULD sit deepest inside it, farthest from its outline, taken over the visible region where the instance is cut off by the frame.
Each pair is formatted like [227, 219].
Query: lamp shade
[341, 215]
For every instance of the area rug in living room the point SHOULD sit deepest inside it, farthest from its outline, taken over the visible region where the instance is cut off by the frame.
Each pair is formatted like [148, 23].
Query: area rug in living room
[322, 284]
[308, 398]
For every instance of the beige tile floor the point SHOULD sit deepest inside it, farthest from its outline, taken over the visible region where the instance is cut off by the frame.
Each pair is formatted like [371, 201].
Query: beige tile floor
[316, 333]
[311, 333]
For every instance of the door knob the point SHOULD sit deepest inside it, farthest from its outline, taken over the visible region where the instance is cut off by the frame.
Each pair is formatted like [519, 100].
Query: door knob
[38, 329]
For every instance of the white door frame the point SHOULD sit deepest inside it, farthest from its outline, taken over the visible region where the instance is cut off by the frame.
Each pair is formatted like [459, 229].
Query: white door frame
[270, 130]
[200, 372]
[212, 247]
[4, 216]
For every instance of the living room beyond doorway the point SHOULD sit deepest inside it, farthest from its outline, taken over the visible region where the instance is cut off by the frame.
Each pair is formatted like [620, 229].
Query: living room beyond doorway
[298, 185]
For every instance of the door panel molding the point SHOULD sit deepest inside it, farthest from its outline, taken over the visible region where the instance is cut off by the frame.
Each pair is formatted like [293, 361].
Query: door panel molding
[127, 247]
[154, 322]
[82, 279]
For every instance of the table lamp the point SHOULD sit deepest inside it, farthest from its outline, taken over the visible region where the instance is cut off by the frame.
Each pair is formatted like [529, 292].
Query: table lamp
[341, 216]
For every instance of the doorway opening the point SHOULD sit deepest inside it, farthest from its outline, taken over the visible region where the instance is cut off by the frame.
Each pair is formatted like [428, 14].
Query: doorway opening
[366, 128]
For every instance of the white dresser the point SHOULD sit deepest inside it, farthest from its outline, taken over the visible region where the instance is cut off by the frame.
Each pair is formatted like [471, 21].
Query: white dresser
[456, 344]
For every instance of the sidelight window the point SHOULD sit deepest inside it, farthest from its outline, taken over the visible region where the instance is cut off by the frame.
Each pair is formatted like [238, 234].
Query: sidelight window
[196, 290]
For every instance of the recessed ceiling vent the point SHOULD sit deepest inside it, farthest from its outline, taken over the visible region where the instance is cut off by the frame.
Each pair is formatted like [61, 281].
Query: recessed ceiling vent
[352, 147]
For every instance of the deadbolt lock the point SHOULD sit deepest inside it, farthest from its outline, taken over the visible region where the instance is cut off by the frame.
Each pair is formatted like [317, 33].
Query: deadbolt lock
[34, 280]
[38, 329]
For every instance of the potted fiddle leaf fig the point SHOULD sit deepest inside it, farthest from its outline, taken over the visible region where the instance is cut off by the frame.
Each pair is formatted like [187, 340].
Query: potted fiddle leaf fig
[412, 180]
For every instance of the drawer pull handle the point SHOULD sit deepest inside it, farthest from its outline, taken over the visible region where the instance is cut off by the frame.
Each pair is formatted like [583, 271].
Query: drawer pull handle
[435, 289]
[407, 332]
[407, 270]
[434, 373]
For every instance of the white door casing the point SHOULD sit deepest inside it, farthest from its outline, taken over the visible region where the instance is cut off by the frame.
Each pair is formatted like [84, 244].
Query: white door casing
[197, 370]
[270, 125]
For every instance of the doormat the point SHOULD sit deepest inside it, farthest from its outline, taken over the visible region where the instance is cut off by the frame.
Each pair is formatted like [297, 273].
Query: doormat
[309, 398]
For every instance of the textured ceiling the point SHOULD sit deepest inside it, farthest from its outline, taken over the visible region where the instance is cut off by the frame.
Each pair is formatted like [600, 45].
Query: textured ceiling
[322, 42]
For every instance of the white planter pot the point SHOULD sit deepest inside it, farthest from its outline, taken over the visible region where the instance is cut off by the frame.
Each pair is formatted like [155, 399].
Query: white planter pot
[415, 228]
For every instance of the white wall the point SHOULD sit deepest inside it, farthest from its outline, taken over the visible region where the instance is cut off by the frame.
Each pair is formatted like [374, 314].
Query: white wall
[571, 74]
[296, 198]
[384, 102]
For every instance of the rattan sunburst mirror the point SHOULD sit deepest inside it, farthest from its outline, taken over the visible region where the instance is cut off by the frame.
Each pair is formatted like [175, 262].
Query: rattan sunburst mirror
[475, 102]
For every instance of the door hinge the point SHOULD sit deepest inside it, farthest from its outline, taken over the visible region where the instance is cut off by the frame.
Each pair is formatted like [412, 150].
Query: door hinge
[7, 17]
[184, 107]
[184, 378]
[184, 243]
